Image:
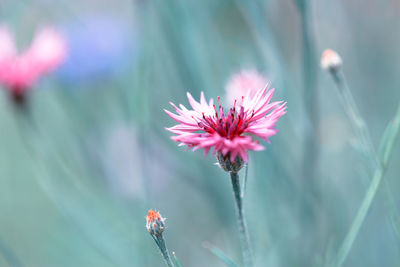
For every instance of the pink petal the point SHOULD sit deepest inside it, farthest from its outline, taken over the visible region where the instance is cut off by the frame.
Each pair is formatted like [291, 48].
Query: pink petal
[48, 50]
[7, 46]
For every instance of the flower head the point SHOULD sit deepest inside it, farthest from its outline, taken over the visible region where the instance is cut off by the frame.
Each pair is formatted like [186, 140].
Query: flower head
[155, 224]
[230, 133]
[330, 60]
[242, 82]
[18, 72]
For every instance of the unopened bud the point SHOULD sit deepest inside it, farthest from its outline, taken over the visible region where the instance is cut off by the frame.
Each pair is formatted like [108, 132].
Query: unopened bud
[330, 60]
[155, 224]
[229, 166]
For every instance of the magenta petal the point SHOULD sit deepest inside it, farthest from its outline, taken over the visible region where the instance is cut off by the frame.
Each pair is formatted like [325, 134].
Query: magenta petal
[212, 128]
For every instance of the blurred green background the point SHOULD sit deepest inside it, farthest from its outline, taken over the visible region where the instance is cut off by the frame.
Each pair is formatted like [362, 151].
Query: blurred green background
[79, 173]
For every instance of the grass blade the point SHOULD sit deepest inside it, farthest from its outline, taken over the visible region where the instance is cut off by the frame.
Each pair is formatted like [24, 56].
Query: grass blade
[176, 261]
[220, 254]
[389, 138]
[387, 144]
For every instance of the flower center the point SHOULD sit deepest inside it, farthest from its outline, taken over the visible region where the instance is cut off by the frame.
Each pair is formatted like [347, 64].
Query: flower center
[230, 125]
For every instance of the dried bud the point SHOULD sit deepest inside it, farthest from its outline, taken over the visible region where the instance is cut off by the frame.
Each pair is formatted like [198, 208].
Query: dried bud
[330, 60]
[155, 224]
[227, 165]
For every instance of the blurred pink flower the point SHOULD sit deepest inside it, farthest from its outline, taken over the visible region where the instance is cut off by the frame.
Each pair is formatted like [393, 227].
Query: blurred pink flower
[230, 134]
[19, 72]
[242, 82]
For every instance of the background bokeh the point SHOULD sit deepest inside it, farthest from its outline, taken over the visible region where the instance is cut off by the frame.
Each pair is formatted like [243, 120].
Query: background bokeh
[79, 173]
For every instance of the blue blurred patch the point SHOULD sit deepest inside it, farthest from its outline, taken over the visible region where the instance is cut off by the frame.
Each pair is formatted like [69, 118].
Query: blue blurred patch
[99, 46]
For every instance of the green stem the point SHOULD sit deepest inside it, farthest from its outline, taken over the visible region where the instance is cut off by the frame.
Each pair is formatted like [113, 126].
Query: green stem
[309, 201]
[391, 133]
[380, 164]
[177, 263]
[360, 217]
[163, 249]
[220, 254]
[9, 255]
[245, 180]
[244, 236]
[354, 115]
[310, 90]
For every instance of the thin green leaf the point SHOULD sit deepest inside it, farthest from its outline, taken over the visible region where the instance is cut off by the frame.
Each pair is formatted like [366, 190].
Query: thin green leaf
[389, 138]
[386, 148]
[220, 254]
[9, 255]
[396, 225]
[177, 263]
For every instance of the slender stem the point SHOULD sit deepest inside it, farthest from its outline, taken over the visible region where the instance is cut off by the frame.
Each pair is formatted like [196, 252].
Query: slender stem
[163, 249]
[360, 217]
[309, 67]
[177, 263]
[370, 195]
[379, 164]
[362, 130]
[354, 114]
[9, 255]
[244, 236]
[311, 199]
[220, 254]
[245, 180]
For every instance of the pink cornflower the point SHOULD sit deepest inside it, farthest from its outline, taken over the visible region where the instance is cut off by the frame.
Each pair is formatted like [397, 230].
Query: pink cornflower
[242, 82]
[19, 72]
[231, 134]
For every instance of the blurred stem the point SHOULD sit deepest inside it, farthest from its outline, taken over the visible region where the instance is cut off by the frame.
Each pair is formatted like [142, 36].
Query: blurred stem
[310, 89]
[243, 233]
[310, 195]
[386, 146]
[363, 133]
[177, 263]
[220, 254]
[360, 217]
[9, 256]
[354, 115]
[163, 249]
[361, 214]
[27, 128]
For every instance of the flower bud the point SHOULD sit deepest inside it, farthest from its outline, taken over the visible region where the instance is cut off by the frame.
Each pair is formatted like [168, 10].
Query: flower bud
[229, 166]
[155, 224]
[330, 60]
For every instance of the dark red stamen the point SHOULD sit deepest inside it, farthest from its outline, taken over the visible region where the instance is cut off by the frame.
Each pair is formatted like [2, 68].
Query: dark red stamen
[230, 125]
